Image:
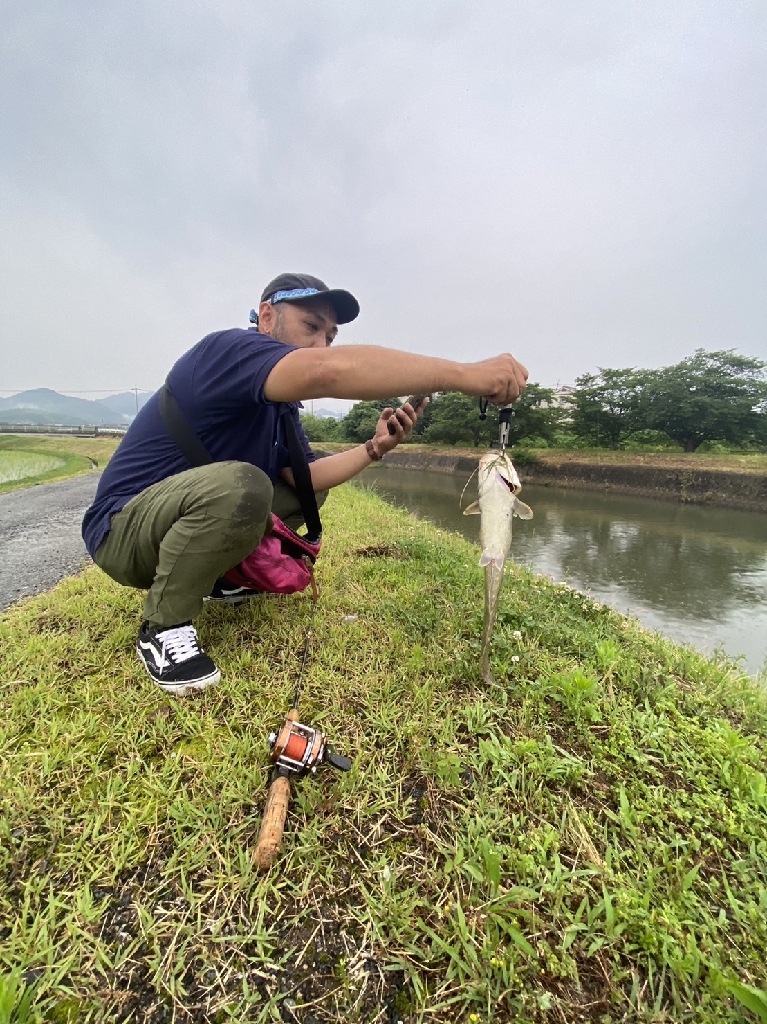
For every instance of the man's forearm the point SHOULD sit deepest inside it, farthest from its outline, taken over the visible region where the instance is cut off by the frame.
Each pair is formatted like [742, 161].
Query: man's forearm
[335, 469]
[362, 372]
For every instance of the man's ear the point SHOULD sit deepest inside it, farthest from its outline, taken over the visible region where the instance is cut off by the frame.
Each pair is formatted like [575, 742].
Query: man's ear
[267, 316]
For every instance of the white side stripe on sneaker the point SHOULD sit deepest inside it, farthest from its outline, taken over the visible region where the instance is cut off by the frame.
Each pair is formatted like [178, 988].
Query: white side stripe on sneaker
[160, 660]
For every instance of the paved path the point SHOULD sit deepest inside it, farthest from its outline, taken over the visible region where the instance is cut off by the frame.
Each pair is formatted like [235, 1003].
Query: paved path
[40, 540]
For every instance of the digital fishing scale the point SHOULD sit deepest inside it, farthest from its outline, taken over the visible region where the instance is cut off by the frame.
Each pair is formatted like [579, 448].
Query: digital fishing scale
[505, 414]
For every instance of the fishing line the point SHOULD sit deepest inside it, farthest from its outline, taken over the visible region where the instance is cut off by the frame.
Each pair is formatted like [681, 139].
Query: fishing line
[460, 500]
[309, 631]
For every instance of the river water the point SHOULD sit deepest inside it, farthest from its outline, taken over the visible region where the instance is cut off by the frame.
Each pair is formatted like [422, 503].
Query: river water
[698, 575]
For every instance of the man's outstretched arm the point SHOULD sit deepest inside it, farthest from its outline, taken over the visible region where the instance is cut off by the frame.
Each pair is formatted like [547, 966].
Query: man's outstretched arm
[369, 372]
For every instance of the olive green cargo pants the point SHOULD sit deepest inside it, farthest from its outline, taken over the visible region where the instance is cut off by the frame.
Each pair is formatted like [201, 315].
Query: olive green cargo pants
[178, 536]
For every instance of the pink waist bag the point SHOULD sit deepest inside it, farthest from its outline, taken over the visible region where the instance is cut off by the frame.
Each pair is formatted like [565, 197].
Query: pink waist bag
[281, 564]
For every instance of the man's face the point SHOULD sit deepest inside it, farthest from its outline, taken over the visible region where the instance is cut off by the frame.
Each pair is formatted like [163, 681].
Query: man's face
[309, 324]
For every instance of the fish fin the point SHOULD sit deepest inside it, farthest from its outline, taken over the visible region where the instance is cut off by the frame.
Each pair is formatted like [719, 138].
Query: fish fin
[496, 558]
[521, 510]
[472, 510]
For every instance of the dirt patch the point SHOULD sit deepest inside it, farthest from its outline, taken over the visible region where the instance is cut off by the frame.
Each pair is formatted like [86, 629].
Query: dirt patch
[380, 551]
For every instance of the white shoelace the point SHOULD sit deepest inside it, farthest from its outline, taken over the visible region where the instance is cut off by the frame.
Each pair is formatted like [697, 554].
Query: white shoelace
[180, 643]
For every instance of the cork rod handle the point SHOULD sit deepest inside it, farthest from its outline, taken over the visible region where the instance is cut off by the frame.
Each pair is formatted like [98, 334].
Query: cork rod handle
[272, 824]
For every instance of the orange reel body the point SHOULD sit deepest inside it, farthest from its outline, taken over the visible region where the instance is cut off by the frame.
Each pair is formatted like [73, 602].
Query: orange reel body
[296, 747]
[299, 748]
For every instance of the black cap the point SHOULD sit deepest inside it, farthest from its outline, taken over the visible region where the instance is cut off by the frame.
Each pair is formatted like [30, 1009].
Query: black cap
[300, 287]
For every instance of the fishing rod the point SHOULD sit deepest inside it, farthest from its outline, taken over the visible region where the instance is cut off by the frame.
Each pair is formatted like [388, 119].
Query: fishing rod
[295, 749]
[505, 414]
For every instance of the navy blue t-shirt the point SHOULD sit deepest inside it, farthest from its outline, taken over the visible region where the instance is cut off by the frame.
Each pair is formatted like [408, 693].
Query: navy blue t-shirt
[219, 385]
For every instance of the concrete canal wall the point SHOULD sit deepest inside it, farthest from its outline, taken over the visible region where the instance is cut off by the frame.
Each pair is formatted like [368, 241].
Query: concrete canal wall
[744, 491]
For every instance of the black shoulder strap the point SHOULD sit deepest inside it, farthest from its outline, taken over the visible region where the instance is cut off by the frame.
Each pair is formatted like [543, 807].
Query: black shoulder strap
[180, 429]
[303, 478]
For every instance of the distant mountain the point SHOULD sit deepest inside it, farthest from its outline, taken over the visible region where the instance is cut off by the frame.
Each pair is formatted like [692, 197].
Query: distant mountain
[325, 414]
[125, 402]
[36, 418]
[42, 405]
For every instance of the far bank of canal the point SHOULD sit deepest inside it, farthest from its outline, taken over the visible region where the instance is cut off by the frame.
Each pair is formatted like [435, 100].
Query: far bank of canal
[734, 483]
[697, 574]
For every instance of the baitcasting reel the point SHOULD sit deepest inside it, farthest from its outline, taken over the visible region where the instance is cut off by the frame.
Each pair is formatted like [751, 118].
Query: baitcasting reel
[299, 748]
[296, 749]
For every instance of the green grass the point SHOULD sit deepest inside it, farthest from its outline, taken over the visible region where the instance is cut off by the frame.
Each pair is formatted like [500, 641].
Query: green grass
[47, 459]
[587, 842]
[17, 466]
[735, 462]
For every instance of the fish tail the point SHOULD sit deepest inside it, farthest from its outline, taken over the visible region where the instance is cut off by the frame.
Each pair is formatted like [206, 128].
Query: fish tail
[493, 580]
[494, 558]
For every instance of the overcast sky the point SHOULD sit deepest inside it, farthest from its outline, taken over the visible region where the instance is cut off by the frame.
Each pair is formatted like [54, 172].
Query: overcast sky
[582, 184]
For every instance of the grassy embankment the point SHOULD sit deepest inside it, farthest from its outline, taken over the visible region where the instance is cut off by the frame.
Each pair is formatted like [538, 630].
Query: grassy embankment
[73, 455]
[755, 463]
[733, 463]
[587, 842]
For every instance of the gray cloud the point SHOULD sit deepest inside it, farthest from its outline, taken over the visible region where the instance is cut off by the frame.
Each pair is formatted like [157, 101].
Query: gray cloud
[580, 184]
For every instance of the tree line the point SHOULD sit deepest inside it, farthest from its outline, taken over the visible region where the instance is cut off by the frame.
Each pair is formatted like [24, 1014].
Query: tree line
[710, 401]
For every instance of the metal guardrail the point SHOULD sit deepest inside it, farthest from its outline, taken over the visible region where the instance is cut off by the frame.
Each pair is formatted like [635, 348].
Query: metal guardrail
[83, 431]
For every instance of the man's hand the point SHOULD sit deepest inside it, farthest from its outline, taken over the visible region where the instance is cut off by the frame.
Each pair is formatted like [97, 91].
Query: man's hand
[393, 427]
[501, 379]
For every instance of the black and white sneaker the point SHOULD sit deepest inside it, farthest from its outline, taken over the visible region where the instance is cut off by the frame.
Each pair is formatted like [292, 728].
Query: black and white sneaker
[174, 659]
[231, 593]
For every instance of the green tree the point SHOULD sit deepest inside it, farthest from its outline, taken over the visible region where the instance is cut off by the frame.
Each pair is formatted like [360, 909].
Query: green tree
[423, 423]
[534, 415]
[607, 405]
[321, 428]
[359, 424]
[709, 396]
[455, 420]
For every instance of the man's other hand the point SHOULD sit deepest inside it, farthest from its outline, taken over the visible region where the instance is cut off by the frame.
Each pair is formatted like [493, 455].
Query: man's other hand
[394, 427]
